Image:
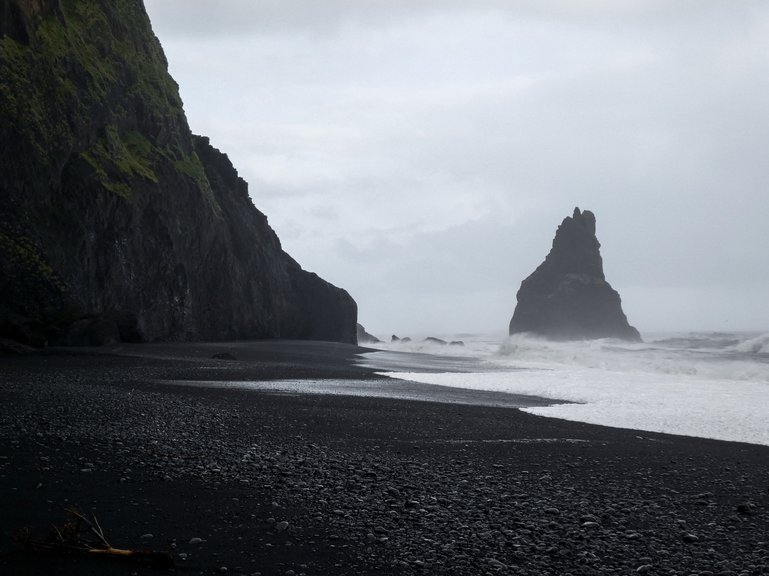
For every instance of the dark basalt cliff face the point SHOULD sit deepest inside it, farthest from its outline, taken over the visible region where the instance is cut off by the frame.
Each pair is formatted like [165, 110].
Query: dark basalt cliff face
[567, 296]
[366, 338]
[117, 222]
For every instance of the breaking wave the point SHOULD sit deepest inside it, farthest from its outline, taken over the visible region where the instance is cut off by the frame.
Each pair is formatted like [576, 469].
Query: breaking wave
[709, 356]
[711, 385]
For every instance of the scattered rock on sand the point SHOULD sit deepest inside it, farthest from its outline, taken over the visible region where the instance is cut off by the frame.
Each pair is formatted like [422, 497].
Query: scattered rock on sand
[378, 505]
[689, 537]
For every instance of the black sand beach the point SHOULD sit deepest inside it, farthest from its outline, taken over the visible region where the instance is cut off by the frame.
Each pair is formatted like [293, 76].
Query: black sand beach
[260, 482]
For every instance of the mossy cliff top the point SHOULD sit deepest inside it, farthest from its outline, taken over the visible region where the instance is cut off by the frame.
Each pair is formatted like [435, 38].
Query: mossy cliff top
[70, 67]
[106, 208]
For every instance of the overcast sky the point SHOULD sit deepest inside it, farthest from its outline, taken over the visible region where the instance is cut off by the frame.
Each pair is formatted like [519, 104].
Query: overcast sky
[421, 154]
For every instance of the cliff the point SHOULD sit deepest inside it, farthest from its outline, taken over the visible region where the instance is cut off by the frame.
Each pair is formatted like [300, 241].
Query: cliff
[567, 297]
[112, 214]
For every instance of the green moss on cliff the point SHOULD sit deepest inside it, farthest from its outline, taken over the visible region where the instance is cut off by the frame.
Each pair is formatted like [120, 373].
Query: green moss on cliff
[21, 110]
[116, 158]
[19, 254]
[82, 60]
[191, 166]
[90, 82]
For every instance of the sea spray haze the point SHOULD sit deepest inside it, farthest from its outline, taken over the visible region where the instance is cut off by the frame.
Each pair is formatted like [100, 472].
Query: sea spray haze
[115, 221]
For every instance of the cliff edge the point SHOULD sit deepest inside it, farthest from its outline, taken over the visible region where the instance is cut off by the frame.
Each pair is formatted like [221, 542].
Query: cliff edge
[115, 221]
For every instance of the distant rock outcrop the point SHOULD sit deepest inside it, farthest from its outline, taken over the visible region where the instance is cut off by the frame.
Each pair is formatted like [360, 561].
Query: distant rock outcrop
[364, 337]
[115, 221]
[567, 296]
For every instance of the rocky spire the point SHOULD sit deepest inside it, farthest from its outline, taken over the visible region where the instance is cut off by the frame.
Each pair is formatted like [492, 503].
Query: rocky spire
[567, 297]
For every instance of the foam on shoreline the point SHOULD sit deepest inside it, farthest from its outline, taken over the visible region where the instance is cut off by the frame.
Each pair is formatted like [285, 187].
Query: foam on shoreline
[710, 386]
[395, 388]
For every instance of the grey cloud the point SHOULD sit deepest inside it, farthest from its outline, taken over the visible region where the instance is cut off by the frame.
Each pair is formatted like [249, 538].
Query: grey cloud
[446, 140]
[201, 19]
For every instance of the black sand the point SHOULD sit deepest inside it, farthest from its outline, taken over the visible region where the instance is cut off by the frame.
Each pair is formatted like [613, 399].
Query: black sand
[367, 485]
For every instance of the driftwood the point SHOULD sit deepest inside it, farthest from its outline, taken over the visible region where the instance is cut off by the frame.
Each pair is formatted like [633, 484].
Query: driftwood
[79, 535]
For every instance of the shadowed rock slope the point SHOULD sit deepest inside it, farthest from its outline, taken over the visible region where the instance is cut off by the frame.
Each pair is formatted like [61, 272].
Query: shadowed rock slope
[567, 296]
[115, 221]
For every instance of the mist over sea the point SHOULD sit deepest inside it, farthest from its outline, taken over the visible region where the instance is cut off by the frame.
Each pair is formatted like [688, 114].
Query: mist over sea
[710, 385]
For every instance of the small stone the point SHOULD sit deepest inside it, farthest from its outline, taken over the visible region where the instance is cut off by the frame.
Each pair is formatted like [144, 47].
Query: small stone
[147, 536]
[222, 570]
[689, 537]
[194, 541]
[745, 508]
[643, 568]
[281, 526]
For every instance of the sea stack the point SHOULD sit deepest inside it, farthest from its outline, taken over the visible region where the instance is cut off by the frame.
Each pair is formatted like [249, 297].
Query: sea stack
[567, 297]
[116, 222]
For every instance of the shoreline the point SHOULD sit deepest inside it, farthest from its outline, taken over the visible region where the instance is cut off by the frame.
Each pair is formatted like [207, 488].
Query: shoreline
[367, 485]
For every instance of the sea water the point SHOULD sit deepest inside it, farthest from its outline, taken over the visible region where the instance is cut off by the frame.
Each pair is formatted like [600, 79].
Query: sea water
[713, 385]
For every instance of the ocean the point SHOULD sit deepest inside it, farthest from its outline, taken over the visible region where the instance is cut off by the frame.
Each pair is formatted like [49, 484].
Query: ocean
[709, 385]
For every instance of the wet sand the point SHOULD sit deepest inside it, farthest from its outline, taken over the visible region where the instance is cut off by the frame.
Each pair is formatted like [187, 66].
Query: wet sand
[365, 485]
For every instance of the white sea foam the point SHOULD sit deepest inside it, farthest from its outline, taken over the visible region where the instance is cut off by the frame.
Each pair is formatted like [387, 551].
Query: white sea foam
[712, 385]
[757, 345]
